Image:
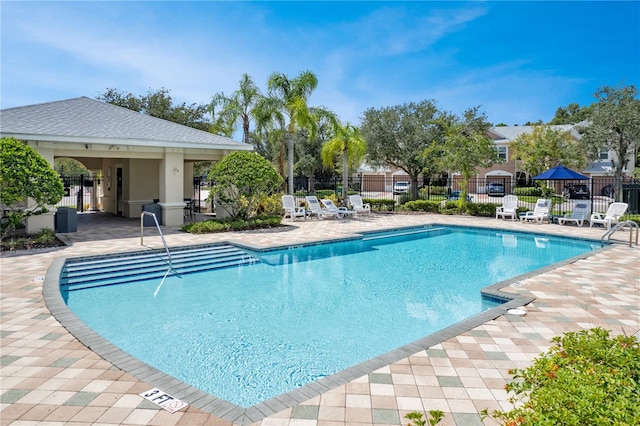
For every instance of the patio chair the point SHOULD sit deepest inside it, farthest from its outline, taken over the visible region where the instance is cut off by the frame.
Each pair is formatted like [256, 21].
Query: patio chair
[341, 211]
[290, 209]
[187, 210]
[539, 213]
[611, 217]
[358, 205]
[579, 214]
[508, 207]
[316, 209]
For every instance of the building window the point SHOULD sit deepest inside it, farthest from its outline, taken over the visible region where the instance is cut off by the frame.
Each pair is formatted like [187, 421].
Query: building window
[502, 152]
[604, 154]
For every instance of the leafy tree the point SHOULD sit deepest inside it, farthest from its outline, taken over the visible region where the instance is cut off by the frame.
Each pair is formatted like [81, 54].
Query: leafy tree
[25, 177]
[269, 141]
[348, 144]
[398, 137]
[546, 147]
[160, 104]
[586, 378]
[69, 167]
[238, 107]
[467, 146]
[287, 105]
[572, 114]
[120, 98]
[242, 179]
[309, 147]
[201, 168]
[615, 126]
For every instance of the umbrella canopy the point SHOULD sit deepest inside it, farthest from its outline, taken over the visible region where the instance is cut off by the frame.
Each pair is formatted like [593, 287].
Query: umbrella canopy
[560, 172]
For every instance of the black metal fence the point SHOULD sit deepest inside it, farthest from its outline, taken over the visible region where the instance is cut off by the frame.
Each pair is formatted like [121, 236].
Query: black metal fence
[82, 193]
[600, 191]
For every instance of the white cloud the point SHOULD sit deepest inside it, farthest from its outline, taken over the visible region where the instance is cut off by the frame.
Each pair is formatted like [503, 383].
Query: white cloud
[369, 55]
[400, 30]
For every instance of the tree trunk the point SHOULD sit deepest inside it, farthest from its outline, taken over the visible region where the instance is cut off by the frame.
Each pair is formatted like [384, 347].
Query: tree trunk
[245, 129]
[345, 176]
[290, 145]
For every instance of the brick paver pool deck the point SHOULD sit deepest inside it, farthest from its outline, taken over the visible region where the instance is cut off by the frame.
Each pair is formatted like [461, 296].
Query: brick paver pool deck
[49, 377]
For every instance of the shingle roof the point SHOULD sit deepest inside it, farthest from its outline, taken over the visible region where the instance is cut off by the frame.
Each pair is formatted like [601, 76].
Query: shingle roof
[512, 132]
[91, 120]
[599, 166]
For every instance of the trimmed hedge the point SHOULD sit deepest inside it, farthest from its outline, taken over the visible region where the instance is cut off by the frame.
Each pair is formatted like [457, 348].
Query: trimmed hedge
[484, 210]
[229, 224]
[530, 191]
[423, 206]
[380, 204]
[452, 207]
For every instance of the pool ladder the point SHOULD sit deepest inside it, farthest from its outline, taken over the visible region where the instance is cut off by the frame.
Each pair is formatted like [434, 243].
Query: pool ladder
[164, 242]
[632, 225]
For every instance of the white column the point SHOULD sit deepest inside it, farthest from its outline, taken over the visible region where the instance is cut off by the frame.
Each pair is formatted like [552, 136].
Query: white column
[172, 187]
[188, 180]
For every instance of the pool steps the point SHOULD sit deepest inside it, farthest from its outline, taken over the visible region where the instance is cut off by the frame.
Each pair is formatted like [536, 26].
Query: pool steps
[401, 232]
[85, 273]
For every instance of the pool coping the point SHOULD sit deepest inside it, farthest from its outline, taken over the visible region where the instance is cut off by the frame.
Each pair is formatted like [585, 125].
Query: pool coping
[243, 416]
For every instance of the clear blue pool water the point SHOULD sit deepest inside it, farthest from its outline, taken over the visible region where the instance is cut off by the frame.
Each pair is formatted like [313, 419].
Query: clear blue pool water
[246, 334]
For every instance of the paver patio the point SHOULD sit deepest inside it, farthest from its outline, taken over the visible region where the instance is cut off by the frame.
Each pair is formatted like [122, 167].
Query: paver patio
[48, 377]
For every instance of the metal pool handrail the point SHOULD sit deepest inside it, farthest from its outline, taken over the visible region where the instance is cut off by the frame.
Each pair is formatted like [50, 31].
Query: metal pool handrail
[632, 225]
[159, 231]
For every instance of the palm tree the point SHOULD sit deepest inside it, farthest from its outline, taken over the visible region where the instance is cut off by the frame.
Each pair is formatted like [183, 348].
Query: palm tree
[347, 143]
[240, 106]
[287, 105]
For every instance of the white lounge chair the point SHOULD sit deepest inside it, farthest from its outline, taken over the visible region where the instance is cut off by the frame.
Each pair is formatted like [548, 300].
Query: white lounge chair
[290, 209]
[340, 211]
[316, 209]
[508, 207]
[539, 213]
[611, 217]
[358, 205]
[579, 214]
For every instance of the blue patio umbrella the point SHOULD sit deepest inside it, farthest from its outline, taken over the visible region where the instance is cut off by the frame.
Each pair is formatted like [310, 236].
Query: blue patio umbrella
[560, 172]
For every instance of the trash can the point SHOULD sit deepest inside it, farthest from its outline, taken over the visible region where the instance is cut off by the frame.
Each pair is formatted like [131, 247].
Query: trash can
[154, 208]
[66, 220]
[631, 196]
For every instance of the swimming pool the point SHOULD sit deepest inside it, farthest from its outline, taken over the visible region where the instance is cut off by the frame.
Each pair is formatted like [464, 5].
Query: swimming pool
[288, 317]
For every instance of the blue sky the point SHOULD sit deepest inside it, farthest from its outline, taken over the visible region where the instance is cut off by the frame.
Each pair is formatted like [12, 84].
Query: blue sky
[519, 61]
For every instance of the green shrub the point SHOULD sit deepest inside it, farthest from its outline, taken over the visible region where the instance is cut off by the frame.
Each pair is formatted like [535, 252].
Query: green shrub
[271, 204]
[325, 193]
[484, 210]
[416, 417]
[231, 224]
[423, 206]
[587, 378]
[531, 191]
[378, 204]
[424, 195]
[451, 207]
[43, 239]
[403, 199]
[435, 190]
[242, 179]
[45, 236]
[25, 175]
